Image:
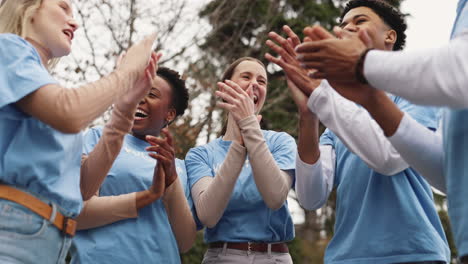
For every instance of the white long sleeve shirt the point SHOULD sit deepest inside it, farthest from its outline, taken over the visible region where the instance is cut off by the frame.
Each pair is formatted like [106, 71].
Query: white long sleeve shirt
[352, 124]
[429, 77]
[416, 145]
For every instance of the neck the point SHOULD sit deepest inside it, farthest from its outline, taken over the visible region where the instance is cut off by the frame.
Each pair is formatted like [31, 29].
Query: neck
[142, 136]
[45, 54]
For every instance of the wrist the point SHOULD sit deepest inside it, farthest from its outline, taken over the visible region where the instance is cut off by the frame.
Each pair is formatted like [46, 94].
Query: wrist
[359, 69]
[373, 100]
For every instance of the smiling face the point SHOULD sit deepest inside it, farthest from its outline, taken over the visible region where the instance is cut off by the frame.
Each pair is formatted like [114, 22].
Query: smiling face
[360, 18]
[253, 74]
[52, 27]
[155, 111]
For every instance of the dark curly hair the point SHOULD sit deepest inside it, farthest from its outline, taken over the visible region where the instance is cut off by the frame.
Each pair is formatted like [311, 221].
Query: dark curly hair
[390, 15]
[179, 90]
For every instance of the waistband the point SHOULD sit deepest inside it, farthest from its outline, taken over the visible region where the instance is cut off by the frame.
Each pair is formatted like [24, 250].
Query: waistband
[41, 208]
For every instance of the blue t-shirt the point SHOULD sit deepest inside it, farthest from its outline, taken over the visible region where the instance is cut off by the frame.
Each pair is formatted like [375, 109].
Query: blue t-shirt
[146, 239]
[246, 217]
[35, 157]
[384, 219]
[456, 156]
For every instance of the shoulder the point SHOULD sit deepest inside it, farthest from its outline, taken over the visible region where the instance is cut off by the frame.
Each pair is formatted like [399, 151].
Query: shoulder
[14, 45]
[204, 150]
[425, 115]
[277, 137]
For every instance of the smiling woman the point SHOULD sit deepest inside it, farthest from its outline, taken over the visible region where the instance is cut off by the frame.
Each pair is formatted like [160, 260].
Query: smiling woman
[42, 189]
[139, 193]
[240, 181]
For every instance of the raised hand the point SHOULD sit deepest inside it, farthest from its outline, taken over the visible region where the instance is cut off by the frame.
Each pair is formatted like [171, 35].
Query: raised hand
[299, 83]
[142, 86]
[159, 186]
[333, 59]
[138, 56]
[163, 151]
[238, 102]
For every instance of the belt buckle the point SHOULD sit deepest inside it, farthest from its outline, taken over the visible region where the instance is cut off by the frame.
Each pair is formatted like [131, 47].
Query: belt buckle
[66, 223]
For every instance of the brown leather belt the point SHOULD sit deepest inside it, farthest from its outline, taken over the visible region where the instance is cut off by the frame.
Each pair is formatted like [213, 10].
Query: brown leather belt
[64, 224]
[252, 246]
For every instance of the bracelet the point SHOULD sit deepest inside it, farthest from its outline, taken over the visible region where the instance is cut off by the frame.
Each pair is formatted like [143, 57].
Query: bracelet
[359, 73]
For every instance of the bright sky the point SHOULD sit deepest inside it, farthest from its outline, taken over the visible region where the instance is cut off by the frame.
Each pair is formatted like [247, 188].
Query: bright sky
[430, 22]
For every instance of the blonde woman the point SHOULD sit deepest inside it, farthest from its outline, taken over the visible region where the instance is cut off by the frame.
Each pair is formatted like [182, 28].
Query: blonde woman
[40, 124]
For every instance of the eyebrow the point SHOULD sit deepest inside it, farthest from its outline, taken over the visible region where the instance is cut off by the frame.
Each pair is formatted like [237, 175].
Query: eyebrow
[68, 6]
[343, 24]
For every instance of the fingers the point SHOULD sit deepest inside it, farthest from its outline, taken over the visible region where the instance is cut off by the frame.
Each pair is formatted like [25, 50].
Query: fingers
[159, 180]
[295, 41]
[120, 59]
[317, 33]
[275, 60]
[168, 136]
[311, 46]
[286, 51]
[225, 106]
[365, 38]
[150, 39]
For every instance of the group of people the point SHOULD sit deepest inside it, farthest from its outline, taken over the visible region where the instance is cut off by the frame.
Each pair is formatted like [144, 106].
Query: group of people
[117, 194]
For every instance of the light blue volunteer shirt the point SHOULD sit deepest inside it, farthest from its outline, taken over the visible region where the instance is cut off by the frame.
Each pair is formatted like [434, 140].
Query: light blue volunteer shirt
[455, 134]
[247, 217]
[384, 219]
[146, 239]
[34, 156]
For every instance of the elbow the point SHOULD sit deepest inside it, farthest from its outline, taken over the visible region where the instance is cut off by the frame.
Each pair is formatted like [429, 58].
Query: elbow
[210, 223]
[277, 202]
[67, 126]
[389, 168]
[312, 205]
[189, 239]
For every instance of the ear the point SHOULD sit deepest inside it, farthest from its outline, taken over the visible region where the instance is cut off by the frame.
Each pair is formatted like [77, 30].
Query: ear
[170, 115]
[391, 37]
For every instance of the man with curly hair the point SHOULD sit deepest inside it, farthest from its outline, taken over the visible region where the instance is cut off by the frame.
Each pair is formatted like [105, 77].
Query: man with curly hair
[385, 210]
[433, 77]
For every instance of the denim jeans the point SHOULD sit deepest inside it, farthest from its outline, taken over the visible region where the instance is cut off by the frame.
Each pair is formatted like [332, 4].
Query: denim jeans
[234, 256]
[26, 237]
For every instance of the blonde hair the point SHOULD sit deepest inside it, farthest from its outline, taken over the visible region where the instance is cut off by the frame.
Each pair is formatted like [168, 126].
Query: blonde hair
[15, 15]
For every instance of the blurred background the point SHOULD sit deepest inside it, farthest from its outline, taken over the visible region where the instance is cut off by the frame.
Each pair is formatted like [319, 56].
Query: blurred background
[200, 38]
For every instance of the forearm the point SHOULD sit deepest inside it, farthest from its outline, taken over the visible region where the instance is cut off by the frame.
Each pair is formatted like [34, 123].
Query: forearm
[358, 131]
[72, 110]
[211, 195]
[430, 77]
[180, 216]
[308, 146]
[95, 168]
[103, 210]
[272, 182]
[422, 149]
[385, 112]
[314, 182]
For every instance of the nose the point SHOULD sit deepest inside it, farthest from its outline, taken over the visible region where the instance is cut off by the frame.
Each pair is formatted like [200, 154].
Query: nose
[73, 24]
[351, 27]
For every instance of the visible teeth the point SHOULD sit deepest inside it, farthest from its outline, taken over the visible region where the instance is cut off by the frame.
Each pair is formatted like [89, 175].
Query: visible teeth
[141, 113]
[255, 98]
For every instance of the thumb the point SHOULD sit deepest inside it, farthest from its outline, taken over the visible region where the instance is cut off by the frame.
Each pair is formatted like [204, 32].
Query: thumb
[250, 92]
[364, 37]
[120, 59]
[343, 34]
